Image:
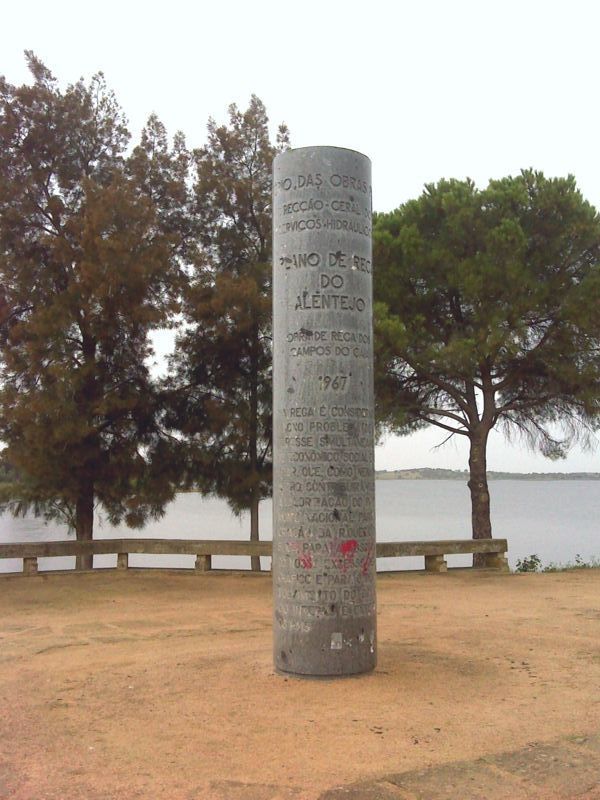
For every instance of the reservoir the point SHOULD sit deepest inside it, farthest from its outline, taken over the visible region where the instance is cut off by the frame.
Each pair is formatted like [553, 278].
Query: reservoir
[556, 520]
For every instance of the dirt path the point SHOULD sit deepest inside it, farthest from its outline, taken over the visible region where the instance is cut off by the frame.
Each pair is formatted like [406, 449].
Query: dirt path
[160, 686]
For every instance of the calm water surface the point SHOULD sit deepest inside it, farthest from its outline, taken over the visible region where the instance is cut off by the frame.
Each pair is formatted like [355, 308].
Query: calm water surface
[554, 519]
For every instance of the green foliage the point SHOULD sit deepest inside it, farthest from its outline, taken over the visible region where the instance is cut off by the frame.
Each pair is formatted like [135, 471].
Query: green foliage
[90, 256]
[533, 563]
[577, 563]
[487, 315]
[8, 473]
[220, 384]
[530, 563]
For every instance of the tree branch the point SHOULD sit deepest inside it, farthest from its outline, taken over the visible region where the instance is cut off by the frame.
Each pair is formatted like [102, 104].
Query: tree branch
[441, 425]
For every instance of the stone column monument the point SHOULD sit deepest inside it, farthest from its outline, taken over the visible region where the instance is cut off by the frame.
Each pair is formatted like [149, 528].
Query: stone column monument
[323, 494]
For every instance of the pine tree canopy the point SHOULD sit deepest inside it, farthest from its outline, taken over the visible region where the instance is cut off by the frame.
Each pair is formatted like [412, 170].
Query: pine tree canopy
[487, 314]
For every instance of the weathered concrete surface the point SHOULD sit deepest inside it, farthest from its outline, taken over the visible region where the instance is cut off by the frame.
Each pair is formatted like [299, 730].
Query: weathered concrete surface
[161, 687]
[566, 768]
[323, 432]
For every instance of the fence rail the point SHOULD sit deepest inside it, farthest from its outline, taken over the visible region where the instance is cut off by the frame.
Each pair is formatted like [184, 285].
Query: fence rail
[204, 549]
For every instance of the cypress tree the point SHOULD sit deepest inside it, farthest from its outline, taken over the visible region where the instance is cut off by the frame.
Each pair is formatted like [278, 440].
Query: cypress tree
[221, 370]
[89, 266]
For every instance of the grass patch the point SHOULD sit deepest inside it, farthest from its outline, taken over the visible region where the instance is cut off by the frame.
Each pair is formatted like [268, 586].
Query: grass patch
[533, 563]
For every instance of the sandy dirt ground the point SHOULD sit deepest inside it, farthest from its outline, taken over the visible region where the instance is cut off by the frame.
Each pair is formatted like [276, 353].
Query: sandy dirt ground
[160, 685]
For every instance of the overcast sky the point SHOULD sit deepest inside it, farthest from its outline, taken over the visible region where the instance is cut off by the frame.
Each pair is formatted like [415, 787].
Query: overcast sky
[426, 89]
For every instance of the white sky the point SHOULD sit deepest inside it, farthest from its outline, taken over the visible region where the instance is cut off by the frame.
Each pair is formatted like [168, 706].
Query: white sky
[429, 89]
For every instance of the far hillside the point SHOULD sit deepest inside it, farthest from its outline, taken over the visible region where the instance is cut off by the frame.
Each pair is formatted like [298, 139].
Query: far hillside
[430, 474]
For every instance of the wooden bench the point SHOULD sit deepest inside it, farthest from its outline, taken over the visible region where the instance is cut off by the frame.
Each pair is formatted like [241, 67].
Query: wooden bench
[204, 549]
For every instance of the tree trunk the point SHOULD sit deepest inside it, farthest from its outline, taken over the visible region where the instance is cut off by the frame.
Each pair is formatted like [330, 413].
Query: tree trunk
[254, 560]
[84, 522]
[87, 398]
[253, 447]
[480, 496]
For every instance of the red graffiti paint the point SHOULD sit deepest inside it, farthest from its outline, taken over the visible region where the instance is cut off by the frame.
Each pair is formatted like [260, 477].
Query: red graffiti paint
[366, 562]
[348, 548]
[306, 561]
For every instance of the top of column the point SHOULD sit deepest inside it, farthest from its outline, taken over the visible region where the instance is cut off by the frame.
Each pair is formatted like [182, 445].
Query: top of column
[323, 147]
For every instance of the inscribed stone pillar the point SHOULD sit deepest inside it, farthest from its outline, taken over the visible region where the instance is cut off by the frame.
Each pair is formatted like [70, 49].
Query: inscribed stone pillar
[323, 493]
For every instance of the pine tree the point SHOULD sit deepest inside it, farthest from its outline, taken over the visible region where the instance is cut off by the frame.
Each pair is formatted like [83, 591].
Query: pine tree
[488, 316]
[89, 265]
[221, 369]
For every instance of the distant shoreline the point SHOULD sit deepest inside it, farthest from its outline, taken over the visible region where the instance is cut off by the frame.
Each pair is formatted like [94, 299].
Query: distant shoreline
[431, 474]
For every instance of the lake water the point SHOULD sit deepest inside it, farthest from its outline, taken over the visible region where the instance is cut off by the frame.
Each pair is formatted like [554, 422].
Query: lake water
[554, 519]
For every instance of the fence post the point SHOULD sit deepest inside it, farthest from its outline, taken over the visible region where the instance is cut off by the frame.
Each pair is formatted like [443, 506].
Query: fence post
[436, 564]
[30, 565]
[203, 563]
[497, 561]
